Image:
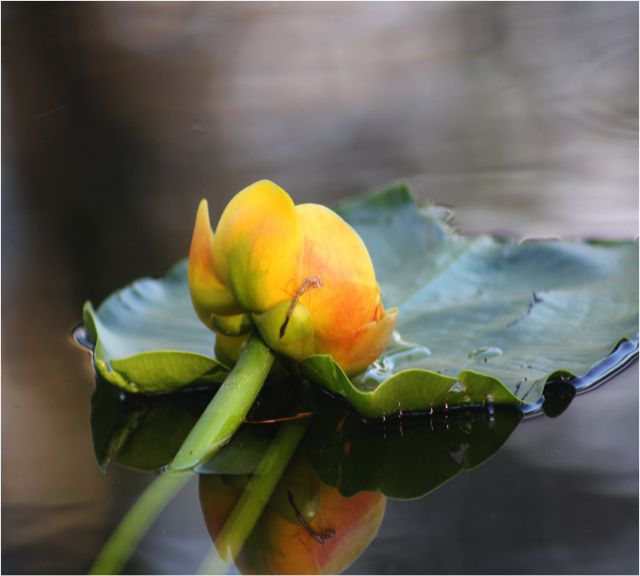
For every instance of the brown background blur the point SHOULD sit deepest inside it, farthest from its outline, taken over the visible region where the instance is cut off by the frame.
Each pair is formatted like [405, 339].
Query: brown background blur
[117, 118]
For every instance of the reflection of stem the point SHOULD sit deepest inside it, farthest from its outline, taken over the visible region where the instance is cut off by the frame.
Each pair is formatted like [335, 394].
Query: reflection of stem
[249, 507]
[228, 408]
[121, 544]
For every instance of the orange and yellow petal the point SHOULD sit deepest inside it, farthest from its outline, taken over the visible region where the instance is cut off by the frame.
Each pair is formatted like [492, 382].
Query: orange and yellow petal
[258, 246]
[349, 296]
[208, 294]
[355, 354]
[301, 274]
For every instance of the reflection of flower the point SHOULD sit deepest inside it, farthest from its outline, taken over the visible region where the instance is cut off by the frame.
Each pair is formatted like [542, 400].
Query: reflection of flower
[301, 274]
[307, 526]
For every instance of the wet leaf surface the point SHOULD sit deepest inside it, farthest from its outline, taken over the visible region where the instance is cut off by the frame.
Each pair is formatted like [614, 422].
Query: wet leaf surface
[481, 319]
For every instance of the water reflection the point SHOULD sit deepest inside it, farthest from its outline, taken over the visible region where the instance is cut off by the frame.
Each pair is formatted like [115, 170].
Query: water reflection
[117, 118]
[405, 457]
[302, 486]
[306, 527]
[303, 493]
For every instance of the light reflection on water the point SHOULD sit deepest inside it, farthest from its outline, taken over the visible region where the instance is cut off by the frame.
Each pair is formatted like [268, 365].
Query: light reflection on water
[118, 118]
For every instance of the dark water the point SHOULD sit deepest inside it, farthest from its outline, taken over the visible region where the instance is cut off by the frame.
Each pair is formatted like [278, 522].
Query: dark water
[118, 118]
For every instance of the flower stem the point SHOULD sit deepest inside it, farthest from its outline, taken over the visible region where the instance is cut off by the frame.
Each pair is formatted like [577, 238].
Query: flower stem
[121, 544]
[228, 408]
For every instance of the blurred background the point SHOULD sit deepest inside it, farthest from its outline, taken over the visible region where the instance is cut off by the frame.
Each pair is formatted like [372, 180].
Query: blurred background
[118, 117]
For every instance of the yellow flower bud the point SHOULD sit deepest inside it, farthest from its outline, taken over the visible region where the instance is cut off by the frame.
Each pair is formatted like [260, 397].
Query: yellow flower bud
[301, 273]
[257, 244]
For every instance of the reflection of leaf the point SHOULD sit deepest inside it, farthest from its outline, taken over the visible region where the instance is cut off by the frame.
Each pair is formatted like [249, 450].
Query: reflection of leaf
[111, 423]
[403, 458]
[480, 317]
[145, 432]
[142, 434]
[241, 456]
[157, 437]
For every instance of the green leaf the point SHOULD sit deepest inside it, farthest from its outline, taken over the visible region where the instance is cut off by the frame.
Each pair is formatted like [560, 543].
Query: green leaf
[148, 338]
[380, 392]
[157, 438]
[481, 319]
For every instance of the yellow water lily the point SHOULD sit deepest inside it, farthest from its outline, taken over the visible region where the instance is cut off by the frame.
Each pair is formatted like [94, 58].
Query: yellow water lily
[300, 274]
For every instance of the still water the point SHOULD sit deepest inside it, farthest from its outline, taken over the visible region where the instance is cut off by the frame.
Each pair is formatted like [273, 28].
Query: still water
[118, 118]
[328, 492]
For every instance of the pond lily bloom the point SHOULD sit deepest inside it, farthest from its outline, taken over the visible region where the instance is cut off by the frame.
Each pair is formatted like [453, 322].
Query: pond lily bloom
[300, 274]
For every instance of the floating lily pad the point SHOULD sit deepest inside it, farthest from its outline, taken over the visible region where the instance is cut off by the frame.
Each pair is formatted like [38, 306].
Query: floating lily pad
[481, 319]
[148, 339]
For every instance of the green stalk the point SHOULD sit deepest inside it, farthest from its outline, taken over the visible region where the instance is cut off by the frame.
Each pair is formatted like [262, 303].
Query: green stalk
[249, 507]
[121, 544]
[228, 408]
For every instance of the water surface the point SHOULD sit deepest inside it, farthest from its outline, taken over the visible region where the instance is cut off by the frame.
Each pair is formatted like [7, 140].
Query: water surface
[118, 118]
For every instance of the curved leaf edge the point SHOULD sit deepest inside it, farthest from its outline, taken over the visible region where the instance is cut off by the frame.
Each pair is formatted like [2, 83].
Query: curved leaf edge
[118, 371]
[399, 194]
[469, 389]
[426, 390]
